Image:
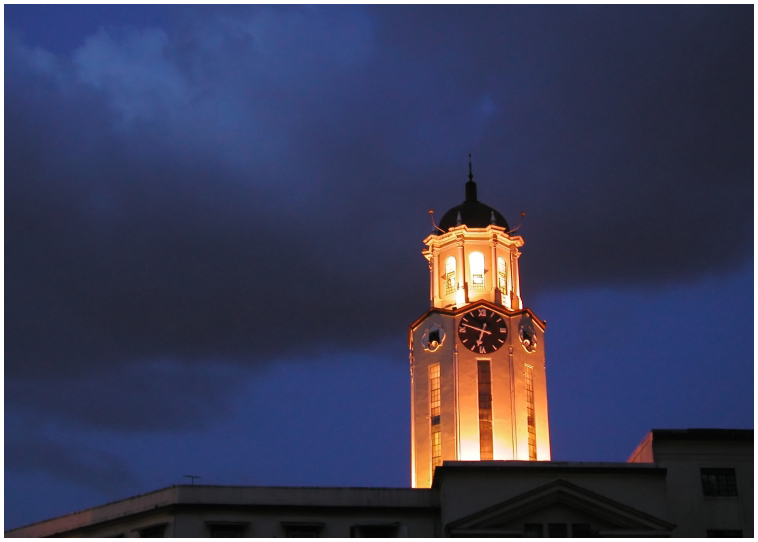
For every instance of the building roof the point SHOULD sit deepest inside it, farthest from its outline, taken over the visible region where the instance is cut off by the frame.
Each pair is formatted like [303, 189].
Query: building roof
[702, 434]
[472, 212]
[231, 496]
[551, 467]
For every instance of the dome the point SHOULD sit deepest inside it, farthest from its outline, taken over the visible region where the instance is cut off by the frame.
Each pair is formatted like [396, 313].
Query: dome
[473, 213]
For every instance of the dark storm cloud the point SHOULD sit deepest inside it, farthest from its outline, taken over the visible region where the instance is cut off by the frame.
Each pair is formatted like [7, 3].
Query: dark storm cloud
[629, 128]
[149, 396]
[90, 468]
[251, 184]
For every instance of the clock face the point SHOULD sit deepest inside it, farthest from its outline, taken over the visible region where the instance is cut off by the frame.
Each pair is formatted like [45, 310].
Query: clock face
[482, 331]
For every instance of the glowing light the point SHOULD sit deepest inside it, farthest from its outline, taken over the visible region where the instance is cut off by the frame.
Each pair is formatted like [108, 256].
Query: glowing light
[494, 405]
[450, 275]
[501, 281]
[476, 261]
[434, 414]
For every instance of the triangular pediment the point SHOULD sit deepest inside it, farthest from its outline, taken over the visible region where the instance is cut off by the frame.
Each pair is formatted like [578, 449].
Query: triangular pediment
[607, 516]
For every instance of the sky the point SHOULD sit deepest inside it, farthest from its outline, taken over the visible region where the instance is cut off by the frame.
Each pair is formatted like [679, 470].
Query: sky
[214, 220]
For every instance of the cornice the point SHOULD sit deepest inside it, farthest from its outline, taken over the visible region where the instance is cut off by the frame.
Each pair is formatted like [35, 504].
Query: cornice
[478, 234]
[482, 302]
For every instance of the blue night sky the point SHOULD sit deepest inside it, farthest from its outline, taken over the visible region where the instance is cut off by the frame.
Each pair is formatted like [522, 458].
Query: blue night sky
[214, 216]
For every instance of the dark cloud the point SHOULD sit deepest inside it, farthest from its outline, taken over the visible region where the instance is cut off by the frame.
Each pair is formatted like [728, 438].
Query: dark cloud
[145, 396]
[253, 183]
[100, 471]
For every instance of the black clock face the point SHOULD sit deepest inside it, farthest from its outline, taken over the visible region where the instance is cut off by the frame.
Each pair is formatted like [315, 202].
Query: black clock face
[482, 331]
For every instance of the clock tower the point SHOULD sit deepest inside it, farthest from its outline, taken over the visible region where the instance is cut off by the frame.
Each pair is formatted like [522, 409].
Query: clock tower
[478, 389]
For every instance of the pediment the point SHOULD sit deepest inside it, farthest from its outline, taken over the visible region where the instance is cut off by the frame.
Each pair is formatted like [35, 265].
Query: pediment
[608, 517]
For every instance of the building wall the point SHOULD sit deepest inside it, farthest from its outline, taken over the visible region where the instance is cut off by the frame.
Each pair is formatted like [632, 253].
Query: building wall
[269, 522]
[683, 453]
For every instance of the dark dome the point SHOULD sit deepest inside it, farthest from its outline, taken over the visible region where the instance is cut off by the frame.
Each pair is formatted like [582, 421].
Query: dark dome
[474, 213]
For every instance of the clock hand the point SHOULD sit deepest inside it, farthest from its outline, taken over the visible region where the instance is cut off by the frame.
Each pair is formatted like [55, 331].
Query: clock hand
[478, 328]
[483, 331]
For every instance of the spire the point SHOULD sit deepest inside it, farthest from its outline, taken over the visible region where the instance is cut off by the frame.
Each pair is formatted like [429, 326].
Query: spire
[470, 185]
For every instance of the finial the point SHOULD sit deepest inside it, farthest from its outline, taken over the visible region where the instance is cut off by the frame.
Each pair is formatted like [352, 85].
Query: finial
[458, 220]
[470, 185]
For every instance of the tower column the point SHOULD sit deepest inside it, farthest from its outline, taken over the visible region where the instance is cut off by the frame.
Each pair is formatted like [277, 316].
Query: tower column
[431, 282]
[435, 282]
[493, 273]
[516, 282]
[508, 294]
[461, 295]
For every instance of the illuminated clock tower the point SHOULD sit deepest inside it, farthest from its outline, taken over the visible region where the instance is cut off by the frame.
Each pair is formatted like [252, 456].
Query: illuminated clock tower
[478, 389]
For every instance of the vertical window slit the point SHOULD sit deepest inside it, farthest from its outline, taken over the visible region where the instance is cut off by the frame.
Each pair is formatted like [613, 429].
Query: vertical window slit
[434, 414]
[530, 424]
[485, 411]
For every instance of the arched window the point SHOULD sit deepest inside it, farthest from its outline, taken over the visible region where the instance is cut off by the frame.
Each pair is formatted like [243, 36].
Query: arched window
[476, 261]
[501, 281]
[450, 275]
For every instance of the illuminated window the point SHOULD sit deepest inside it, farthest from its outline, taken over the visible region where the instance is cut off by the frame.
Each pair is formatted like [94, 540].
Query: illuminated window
[434, 393]
[436, 447]
[501, 282]
[485, 410]
[719, 482]
[449, 275]
[434, 413]
[476, 262]
[531, 426]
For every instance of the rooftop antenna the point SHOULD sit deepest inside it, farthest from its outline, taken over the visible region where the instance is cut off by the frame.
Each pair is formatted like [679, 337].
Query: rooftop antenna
[470, 174]
[191, 477]
[434, 226]
[520, 222]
